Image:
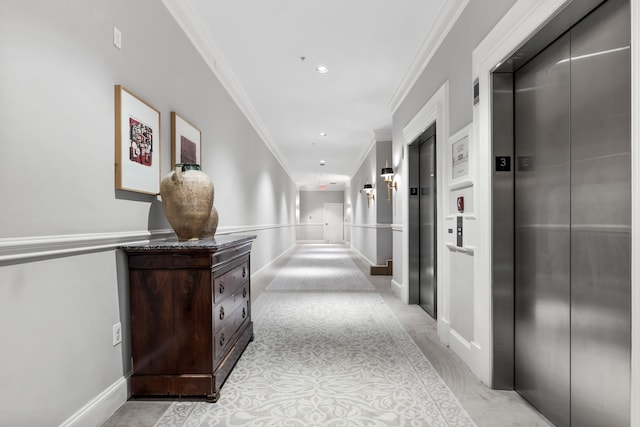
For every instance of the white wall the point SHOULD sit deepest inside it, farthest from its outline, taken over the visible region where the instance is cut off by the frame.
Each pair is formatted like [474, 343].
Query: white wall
[62, 283]
[311, 226]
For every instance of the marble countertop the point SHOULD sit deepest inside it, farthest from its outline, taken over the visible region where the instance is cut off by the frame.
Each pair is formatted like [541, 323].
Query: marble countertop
[215, 243]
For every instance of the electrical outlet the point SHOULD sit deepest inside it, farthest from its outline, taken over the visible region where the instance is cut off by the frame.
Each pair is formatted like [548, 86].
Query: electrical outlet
[117, 334]
[117, 38]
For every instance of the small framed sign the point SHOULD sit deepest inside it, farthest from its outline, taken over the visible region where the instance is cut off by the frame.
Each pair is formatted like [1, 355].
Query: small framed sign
[503, 163]
[460, 158]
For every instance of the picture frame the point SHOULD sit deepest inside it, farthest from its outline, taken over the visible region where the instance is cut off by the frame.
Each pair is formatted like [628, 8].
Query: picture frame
[459, 167]
[137, 143]
[185, 141]
[460, 158]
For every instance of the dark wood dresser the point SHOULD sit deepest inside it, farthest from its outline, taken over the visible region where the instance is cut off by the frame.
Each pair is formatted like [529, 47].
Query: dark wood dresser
[190, 314]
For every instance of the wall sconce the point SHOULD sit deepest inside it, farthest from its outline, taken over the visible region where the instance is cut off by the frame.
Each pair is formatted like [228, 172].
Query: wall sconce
[387, 176]
[368, 191]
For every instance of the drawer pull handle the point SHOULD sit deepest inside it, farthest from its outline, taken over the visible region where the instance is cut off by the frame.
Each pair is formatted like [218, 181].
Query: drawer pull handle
[244, 293]
[221, 286]
[222, 339]
[221, 313]
[244, 272]
[244, 312]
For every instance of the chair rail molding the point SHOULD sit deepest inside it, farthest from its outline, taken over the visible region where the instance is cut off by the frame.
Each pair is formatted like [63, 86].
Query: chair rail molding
[26, 248]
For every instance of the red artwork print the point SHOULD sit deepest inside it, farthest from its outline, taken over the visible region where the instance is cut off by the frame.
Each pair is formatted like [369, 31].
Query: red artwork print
[140, 142]
[187, 150]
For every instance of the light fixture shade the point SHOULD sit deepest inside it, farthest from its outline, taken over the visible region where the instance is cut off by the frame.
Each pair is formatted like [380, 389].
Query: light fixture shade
[386, 172]
[368, 188]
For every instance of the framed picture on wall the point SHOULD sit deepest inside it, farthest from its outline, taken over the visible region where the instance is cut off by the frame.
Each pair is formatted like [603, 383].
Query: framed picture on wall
[185, 141]
[460, 166]
[137, 145]
[460, 158]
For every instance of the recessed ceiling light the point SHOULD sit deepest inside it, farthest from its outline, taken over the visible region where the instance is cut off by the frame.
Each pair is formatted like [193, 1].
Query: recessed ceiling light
[322, 162]
[323, 134]
[322, 69]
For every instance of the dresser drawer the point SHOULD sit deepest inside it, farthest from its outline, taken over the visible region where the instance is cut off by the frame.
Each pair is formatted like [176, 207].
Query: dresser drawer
[227, 283]
[229, 305]
[228, 331]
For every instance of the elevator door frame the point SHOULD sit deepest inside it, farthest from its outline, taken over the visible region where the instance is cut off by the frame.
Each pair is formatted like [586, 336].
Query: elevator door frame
[415, 219]
[503, 211]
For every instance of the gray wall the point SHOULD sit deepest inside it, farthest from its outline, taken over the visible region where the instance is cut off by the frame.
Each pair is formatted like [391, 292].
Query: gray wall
[311, 226]
[57, 79]
[371, 226]
[457, 269]
[452, 62]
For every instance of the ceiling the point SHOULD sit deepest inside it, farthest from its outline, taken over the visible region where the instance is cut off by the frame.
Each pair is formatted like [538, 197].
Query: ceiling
[266, 54]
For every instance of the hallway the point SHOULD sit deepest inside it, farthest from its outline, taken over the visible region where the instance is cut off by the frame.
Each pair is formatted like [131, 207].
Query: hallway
[333, 346]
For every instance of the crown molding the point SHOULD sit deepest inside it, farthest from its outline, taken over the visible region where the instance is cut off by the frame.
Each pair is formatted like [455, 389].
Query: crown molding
[363, 156]
[188, 20]
[447, 16]
[378, 136]
[383, 134]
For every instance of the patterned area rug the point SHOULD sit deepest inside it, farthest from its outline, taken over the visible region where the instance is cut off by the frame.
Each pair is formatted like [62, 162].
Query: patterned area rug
[327, 359]
[320, 268]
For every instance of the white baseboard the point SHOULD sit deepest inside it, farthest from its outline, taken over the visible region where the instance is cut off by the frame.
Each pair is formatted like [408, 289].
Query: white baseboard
[100, 408]
[444, 330]
[273, 261]
[361, 255]
[460, 346]
[397, 289]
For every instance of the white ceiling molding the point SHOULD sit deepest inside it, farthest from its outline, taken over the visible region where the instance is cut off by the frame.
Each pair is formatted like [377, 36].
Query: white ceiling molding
[188, 20]
[446, 18]
[383, 134]
[365, 153]
[378, 135]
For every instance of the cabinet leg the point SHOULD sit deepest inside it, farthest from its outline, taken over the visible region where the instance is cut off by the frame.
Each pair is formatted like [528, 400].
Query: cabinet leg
[214, 397]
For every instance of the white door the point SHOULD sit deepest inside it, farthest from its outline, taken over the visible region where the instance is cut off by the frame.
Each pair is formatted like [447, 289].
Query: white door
[333, 223]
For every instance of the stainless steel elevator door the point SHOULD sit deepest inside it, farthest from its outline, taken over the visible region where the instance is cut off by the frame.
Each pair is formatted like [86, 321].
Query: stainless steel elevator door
[601, 217]
[542, 231]
[572, 223]
[427, 299]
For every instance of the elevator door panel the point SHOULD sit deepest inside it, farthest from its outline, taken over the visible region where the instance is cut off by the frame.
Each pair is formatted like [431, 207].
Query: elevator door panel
[428, 226]
[600, 218]
[542, 231]
[572, 223]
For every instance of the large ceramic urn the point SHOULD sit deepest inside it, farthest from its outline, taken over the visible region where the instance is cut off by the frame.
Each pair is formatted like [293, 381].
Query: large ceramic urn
[187, 198]
[210, 227]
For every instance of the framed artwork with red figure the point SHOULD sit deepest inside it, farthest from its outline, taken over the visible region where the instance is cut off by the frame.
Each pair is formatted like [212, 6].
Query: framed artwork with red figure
[137, 145]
